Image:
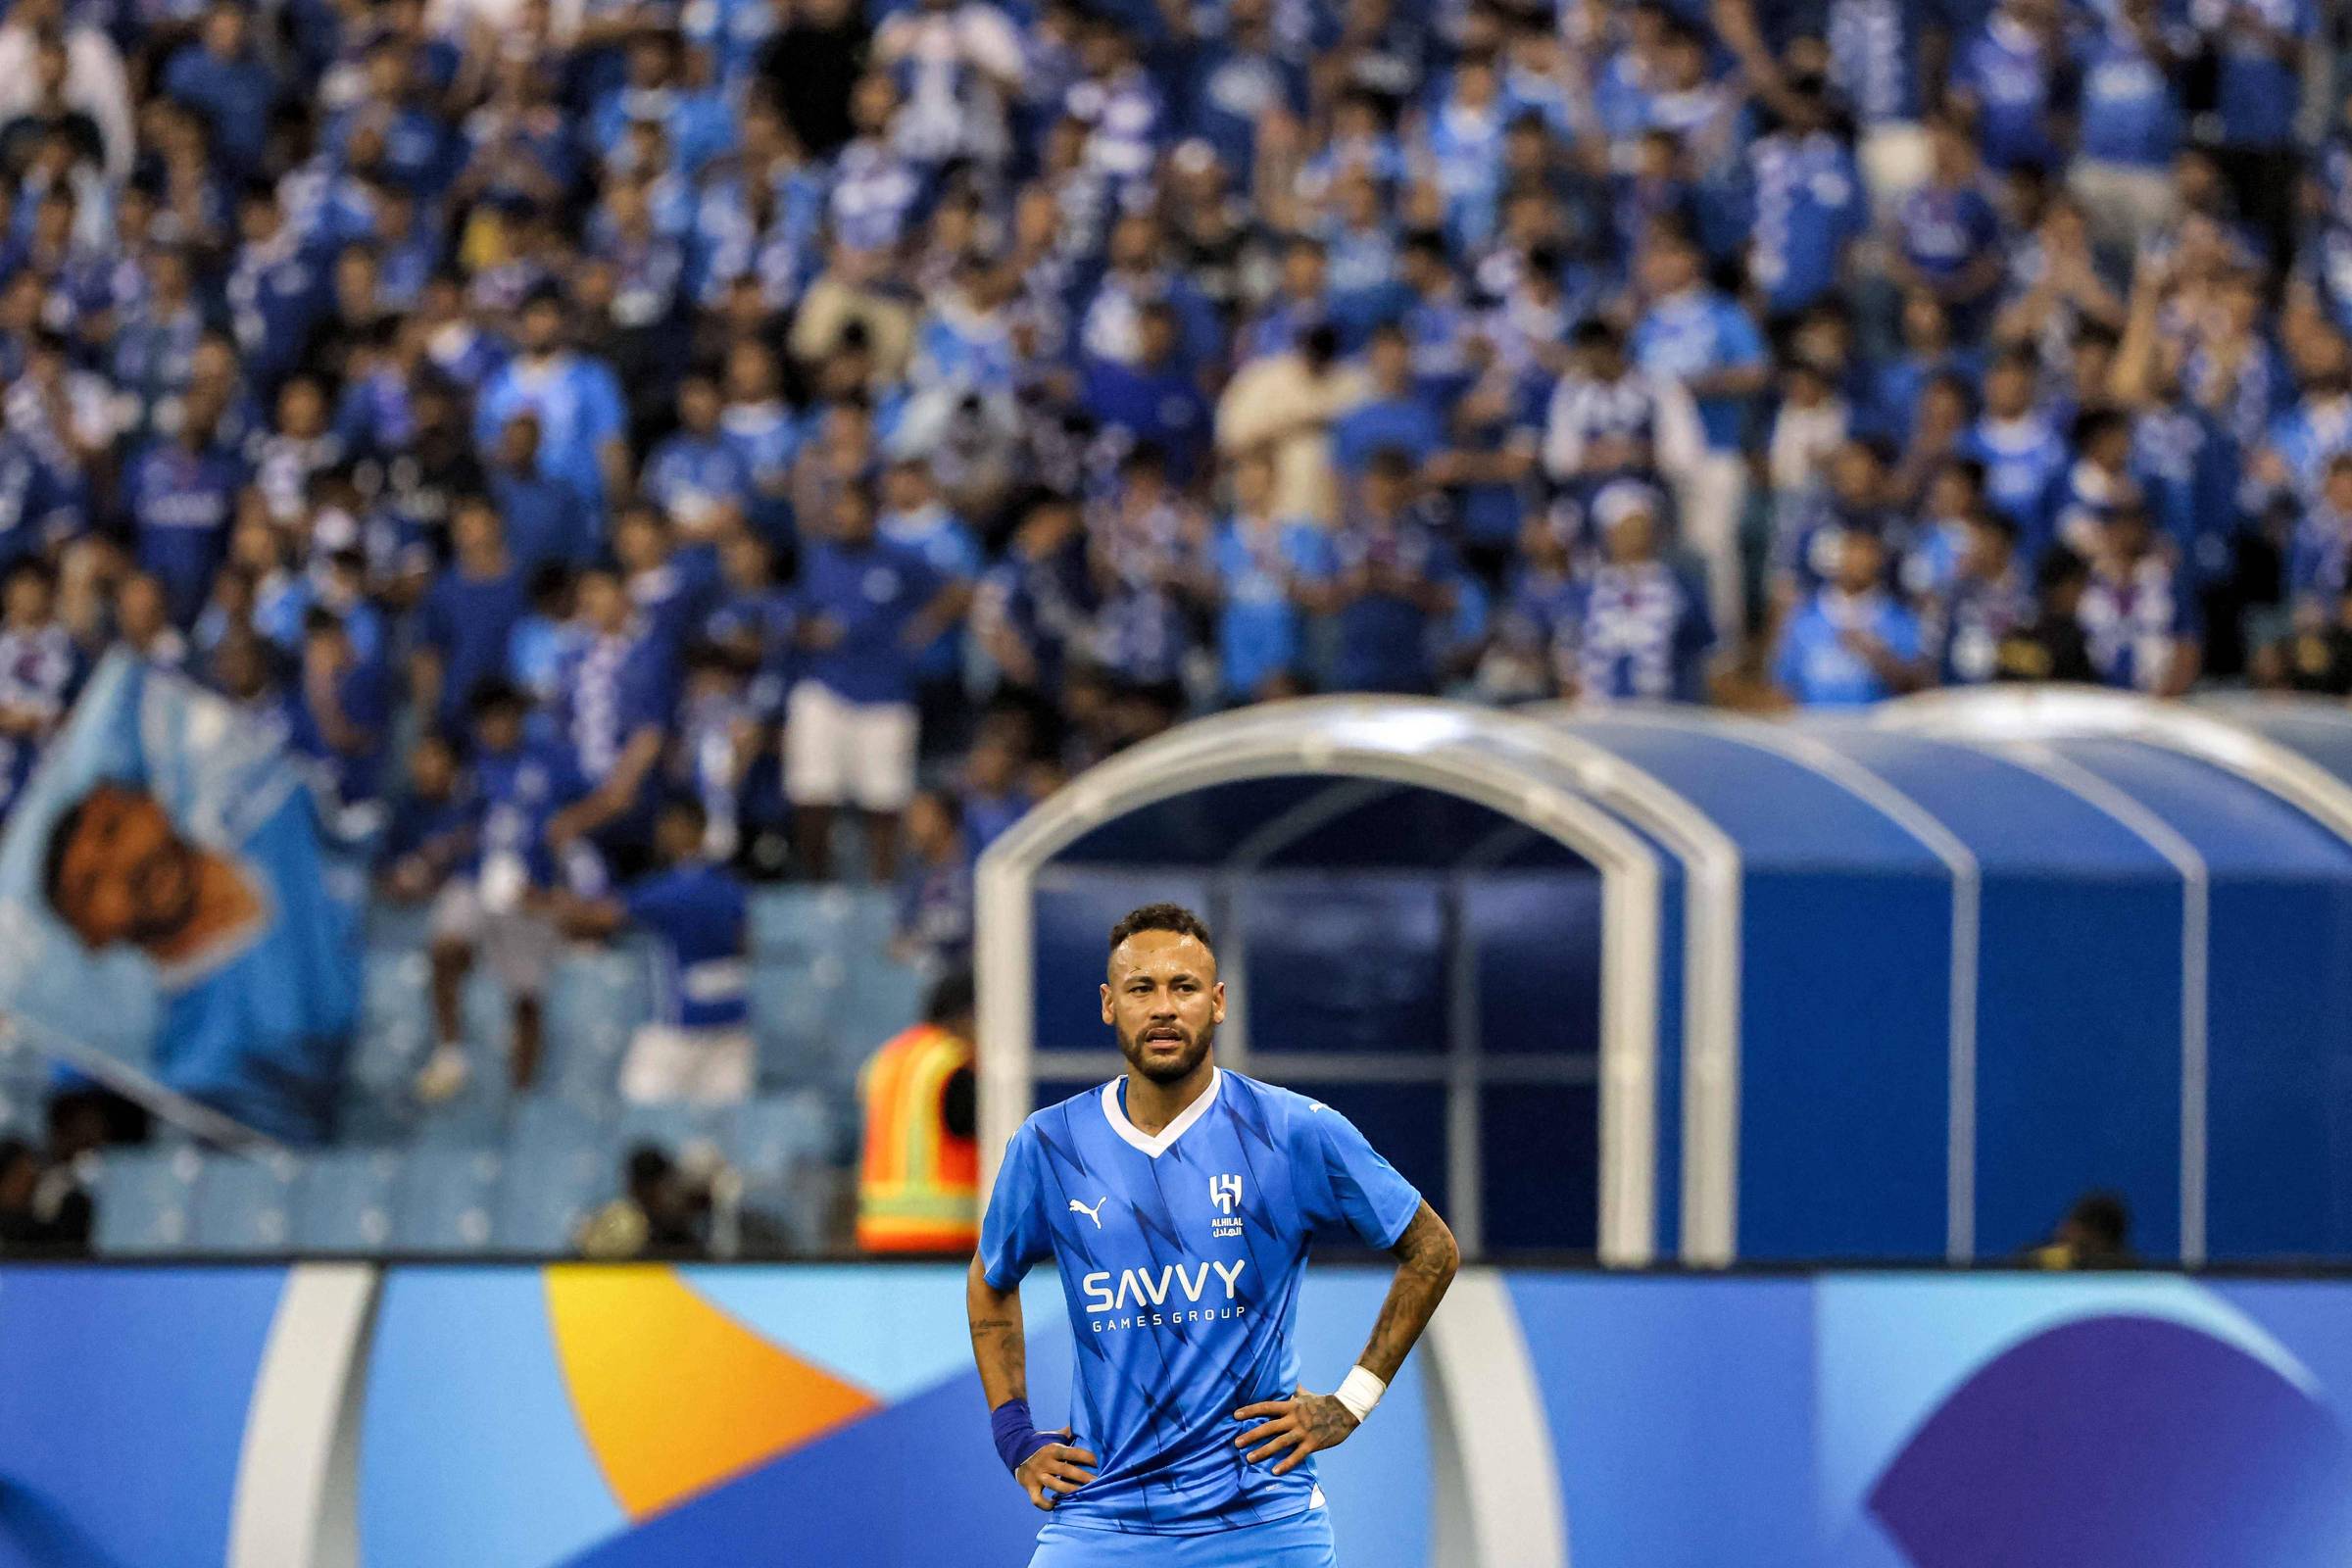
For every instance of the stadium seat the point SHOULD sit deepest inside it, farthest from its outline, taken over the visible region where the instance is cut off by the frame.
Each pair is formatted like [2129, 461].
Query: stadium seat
[343, 1202]
[20, 1116]
[672, 1128]
[544, 1195]
[443, 1200]
[878, 999]
[791, 1007]
[777, 1133]
[546, 1122]
[144, 1198]
[245, 1205]
[596, 999]
[24, 1071]
[804, 923]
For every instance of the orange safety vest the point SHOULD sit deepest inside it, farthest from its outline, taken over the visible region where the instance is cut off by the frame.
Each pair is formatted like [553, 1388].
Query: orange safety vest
[918, 1184]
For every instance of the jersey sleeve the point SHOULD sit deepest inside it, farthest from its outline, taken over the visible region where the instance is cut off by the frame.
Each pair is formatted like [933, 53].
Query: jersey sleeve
[1342, 1182]
[1014, 1236]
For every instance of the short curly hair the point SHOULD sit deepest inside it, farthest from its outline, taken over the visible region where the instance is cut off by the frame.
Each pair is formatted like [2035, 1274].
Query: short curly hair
[1163, 917]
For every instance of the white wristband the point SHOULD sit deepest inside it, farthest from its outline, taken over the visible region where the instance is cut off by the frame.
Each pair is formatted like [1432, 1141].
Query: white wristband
[1359, 1392]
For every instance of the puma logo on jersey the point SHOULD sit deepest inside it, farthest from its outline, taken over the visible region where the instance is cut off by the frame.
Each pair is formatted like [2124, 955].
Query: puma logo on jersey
[1095, 1213]
[1145, 1288]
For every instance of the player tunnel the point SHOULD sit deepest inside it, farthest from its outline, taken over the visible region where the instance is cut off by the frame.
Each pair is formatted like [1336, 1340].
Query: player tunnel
[1664, 983]
[1994, 950]
[1425, 918]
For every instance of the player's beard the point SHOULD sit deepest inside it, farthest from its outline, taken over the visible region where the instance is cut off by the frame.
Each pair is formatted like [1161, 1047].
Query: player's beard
[1169, 1069]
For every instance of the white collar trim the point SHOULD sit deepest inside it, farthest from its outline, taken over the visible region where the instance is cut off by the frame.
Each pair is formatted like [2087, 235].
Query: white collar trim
[1152, 1144]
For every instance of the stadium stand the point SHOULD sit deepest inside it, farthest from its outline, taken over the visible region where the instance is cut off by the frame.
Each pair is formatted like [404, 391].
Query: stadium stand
[776, 408]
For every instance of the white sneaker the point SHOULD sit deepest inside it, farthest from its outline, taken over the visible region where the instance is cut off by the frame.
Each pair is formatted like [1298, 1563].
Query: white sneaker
[443, 1074]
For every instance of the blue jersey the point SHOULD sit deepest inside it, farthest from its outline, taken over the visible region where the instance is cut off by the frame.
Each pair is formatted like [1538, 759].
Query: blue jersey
[1816, 667]
[696, 913]
[469, 623]
[2130, 109]
[1696, 334]
[1807, 207]
[180, 503]
[2013, 80]
[2259, 91]
[1260, 624]
[580, 408]
[1874, 58]
[2024, 460]
[1180, 1256]
[2134, 623]
[873, 592]
[517, 792]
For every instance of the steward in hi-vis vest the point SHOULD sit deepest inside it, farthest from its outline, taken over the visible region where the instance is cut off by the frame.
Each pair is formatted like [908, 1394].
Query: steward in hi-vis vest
[918, 1176]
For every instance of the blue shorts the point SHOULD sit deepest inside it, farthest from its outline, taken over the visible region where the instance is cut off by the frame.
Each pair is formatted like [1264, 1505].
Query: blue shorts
[1302, 1541]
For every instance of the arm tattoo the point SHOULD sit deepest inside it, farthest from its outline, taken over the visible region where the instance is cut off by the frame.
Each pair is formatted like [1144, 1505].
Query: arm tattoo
[1001, 1347]
[1426, 1258]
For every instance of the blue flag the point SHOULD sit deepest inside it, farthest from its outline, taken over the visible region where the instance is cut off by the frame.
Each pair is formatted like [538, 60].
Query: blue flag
[171, 904]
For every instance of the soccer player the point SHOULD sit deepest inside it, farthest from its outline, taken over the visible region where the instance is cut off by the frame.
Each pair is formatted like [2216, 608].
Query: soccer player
[1179, 1202]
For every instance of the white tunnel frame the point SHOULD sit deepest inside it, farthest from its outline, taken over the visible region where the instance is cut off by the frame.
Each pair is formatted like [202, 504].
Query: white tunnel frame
[1524, 769]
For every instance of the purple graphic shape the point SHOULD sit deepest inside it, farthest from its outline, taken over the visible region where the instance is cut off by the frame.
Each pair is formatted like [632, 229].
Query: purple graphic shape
[2122, 1443]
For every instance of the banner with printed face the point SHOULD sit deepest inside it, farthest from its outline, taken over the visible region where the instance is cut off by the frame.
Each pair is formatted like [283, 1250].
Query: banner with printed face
[170, 912]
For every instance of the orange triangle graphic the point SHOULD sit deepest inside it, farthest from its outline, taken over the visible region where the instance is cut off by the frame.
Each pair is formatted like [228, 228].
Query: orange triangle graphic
[673, 1396]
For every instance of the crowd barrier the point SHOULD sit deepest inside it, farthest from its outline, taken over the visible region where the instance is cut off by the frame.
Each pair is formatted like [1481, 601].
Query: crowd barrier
[507, 1416]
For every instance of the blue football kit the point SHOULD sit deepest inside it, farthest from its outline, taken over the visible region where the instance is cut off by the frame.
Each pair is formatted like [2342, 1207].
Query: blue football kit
[1181, 1255]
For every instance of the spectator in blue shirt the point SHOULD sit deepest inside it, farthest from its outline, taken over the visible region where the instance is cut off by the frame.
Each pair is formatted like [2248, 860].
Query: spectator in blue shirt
[752, 620]
[38, 668]
[2022, 455]
[1697, 336]
[1156, 398]
[1393, 416]
[1242, 81]
[993, 796]
[1807, 202]
[518, 785]
[577, 400]
[1033, 610]
[1951, 233]
[868, 609]
[1988, 599]
[696, 474]
[1271, 572]
[915, 515]
[223, 80]
[2132, 127]
[2008, 82]
[758, 424]
[615, 699]
[1854, 643]
[546, 519]
[181, 496]
[1394, 584]
[935, 891]
[37, 514]
[2318, 558]
[697, 1049]
[1638, 628]
[431, 828]
[341, 715]
[466, 623]
[2138, 614]
[2259, 92]
[274, 290]
[1700, 337]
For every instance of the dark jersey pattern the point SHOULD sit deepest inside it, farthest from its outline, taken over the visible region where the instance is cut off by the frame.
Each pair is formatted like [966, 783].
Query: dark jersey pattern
[1181, 1257]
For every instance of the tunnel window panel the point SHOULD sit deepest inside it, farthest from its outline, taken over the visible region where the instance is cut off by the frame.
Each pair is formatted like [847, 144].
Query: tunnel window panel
[1351, 962]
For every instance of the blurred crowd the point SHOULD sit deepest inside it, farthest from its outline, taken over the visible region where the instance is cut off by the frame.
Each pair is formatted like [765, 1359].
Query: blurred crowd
[552, 413]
